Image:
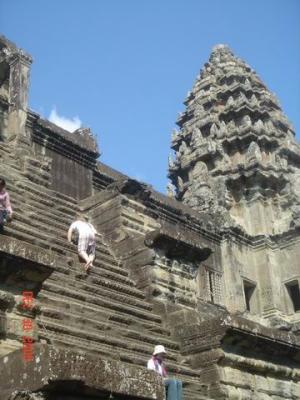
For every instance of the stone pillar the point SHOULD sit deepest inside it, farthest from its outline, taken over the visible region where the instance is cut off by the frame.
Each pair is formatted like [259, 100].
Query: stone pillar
[269, 274]
[19, 64]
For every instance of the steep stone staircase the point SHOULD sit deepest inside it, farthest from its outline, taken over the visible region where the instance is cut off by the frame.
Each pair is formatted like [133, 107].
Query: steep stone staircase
[99, 313]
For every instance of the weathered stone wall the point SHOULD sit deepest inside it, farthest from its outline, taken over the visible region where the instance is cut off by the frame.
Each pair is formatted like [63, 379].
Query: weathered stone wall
[61, 374]
[72, 156]
[253, 369]
[264, 267]
[126, 222]
[235, 261]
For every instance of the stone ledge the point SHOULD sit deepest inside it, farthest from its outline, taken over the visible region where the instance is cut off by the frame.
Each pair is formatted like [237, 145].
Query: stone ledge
[85, 142]
[164, 208]
[235, 323]
[218, 328]
[23, 265]
[26, 251]
[81, 140]
[52, 366]
[177, 243]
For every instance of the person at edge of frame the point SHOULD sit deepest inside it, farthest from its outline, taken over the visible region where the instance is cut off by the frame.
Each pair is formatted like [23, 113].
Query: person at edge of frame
[156, 363]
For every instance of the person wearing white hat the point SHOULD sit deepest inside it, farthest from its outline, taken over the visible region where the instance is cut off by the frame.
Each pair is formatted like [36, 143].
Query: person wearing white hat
[156, 363]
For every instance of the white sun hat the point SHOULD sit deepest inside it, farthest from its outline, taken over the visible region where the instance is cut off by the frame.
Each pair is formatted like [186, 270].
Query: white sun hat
[159, 349]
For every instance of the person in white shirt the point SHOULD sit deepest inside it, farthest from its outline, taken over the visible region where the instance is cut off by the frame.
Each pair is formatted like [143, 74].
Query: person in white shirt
[86, 240]
[156, 363]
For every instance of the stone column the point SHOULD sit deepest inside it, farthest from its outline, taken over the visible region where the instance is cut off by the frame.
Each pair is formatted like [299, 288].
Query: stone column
[269, 273]
[19, 64]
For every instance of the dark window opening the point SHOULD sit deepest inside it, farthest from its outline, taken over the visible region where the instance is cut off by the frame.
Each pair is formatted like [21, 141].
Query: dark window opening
[294, 292]
[211, 285]
[207, 106]
[248, 291]
[184, 176]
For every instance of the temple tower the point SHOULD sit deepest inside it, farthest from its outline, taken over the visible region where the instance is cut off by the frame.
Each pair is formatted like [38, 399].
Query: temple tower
[235, 152]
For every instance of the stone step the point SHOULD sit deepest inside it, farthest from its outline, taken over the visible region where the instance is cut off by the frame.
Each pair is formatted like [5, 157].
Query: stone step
[47, 218]
[68, 209]
[58, 302]
[23, 225]
[200, 394]
[69, 343]
[33, 219]
[39, 204]
[36, 197]
[32, 231]
[74, 316]
[51, 195]
[34, 207]
[129, 351]
[101, 303]
[37, 175]
[103, 269]
[8, 173]
[5, 147]
[17, 231]
[10, 165]
[7, 155]
[51, 220]
[135, 335]
[120, 303]
[151, 339]
[112, 293]
[98, 282]
[103, 287]
[105, 266]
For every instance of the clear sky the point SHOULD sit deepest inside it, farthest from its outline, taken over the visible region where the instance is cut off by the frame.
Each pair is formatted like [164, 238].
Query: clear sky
[123, 67]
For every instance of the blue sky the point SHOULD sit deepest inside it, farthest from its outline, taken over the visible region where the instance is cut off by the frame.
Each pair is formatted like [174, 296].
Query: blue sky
[123, 67]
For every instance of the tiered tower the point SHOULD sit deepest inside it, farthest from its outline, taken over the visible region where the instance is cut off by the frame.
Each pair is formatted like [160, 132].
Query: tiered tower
[236, 152]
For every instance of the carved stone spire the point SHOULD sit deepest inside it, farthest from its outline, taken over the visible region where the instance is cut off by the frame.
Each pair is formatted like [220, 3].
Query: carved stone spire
[233, 129]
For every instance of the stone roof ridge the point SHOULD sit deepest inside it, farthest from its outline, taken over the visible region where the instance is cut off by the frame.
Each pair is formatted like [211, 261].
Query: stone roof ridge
[82, 137]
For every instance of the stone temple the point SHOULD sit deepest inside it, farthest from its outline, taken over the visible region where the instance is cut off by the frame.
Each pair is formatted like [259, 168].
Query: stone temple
[211, 271]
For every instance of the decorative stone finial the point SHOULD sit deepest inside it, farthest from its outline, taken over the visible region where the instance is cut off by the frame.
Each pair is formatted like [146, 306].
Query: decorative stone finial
[221, 47]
